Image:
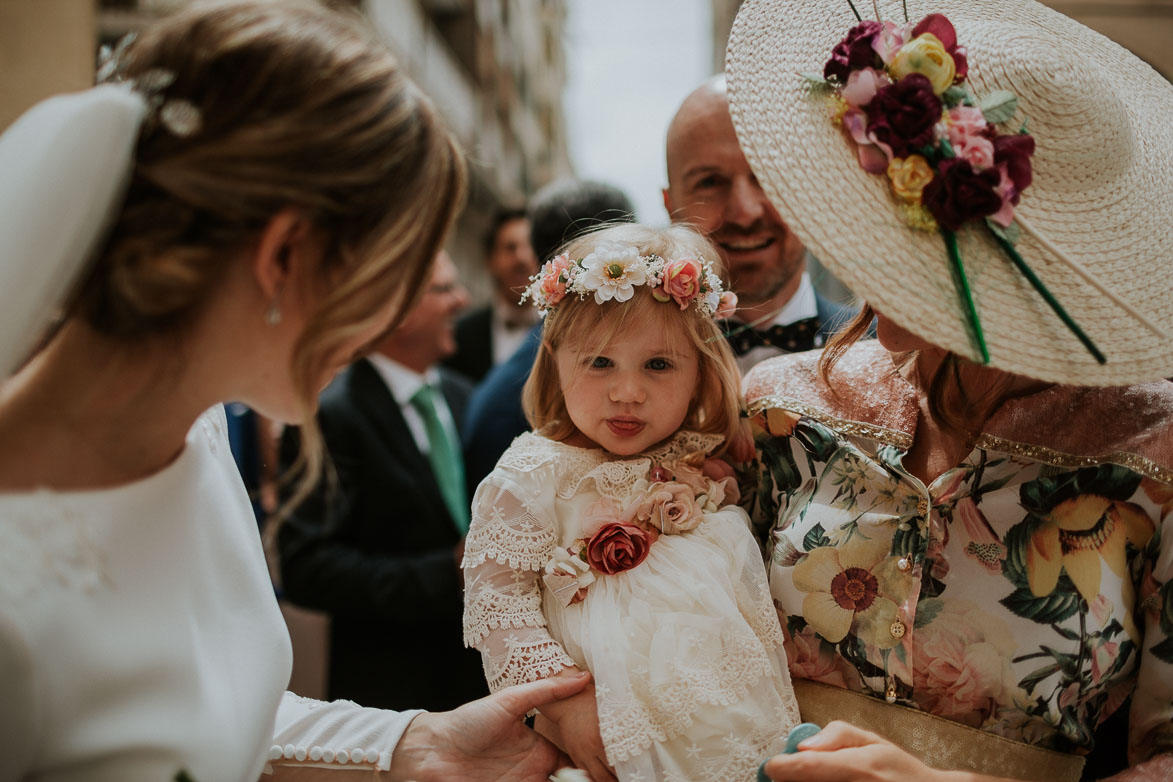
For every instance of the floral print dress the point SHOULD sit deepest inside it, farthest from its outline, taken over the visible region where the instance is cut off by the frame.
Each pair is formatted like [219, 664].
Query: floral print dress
[1026, 592]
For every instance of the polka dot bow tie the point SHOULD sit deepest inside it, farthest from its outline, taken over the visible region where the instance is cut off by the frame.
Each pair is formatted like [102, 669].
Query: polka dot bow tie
[792, 338]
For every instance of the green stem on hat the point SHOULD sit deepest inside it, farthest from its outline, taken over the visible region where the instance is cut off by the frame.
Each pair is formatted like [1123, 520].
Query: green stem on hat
[858, 18]
[1048, 297]
[962, 283]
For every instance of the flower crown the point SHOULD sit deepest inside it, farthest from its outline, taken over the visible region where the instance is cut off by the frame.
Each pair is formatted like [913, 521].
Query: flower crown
[613, 270]
[899, 93]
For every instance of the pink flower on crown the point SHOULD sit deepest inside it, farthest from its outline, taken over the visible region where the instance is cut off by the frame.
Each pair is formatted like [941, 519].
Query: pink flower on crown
[726, 305]
[681, 281]
[555, 276]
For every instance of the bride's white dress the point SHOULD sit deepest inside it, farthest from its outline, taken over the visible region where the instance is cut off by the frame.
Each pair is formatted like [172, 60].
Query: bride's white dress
[685, 648]
[140, 637]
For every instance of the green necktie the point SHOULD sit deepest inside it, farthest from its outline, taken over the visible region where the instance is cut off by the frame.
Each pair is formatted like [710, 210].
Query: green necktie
[444, 455]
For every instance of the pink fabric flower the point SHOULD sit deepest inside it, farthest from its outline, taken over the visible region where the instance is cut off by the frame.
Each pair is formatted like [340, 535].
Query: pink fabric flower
[618, 547]
[660, 475]
[555, 275]
[873, 156]
[668, 507]
[727, 305]
[970, 135]
[682, 281]
[862, 85]
[808, 658]
[889, 40]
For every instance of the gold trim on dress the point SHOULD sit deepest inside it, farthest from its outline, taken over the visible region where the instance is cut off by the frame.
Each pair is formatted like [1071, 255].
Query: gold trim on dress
[1038, 453]
[880, 434]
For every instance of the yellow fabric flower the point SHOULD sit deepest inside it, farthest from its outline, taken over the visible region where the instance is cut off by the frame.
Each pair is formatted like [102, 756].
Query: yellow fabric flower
[854, 588]
[1077, 535]
[909, 177]
[919, 218]
[927, 55]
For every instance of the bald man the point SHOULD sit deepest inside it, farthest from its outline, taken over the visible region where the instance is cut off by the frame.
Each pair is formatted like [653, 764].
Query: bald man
[712, 188]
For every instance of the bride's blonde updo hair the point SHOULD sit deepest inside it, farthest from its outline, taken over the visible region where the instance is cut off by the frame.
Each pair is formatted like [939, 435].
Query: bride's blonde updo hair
[300, 108]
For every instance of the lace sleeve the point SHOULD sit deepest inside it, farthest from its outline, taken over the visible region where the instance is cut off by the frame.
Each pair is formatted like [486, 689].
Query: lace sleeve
[509, 542]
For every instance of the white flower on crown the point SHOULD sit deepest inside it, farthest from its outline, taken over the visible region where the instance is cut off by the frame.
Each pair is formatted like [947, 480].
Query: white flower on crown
[612, 271]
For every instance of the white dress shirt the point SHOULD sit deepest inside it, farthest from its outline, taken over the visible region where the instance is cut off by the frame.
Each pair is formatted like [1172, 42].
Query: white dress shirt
[403, 383]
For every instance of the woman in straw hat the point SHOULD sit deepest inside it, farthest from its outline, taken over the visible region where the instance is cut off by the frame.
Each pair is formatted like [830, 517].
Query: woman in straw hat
[258, 196]
[972, 517]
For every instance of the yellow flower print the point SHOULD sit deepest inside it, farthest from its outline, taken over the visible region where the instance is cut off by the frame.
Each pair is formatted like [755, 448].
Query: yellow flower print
[854, 588]
[780, 423]
[1076, 535]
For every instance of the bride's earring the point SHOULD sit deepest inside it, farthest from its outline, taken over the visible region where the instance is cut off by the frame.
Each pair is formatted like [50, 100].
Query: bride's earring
[273, 314]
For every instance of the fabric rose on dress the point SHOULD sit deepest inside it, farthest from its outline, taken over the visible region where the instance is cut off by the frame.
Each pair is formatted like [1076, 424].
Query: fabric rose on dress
[855, 588]
[555, 276]
[925, 55]
[903, 115]
[962, 664]
[618, 547]
[669, 507]
[681, 281]
[909, 176]
[853, 52]
[612, 271]
[941, 28]
[567, 577]
[602, 511]
[958, 193]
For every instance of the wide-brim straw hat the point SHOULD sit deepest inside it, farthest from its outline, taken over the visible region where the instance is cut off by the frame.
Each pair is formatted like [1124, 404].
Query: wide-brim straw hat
[1101, 199]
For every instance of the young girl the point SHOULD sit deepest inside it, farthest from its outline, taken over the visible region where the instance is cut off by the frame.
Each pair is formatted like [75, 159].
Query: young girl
[608, 540]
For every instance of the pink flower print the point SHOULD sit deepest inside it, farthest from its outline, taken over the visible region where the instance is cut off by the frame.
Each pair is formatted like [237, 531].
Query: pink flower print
[1103, 658]
[1100, 609]
[984, 546]
[808, 658]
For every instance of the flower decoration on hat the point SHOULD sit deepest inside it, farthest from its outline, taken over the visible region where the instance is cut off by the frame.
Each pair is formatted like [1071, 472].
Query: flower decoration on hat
[900, 95]
[612, 271]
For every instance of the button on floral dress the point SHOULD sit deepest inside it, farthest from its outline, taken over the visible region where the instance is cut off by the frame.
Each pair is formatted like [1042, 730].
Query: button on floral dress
[1027, 592]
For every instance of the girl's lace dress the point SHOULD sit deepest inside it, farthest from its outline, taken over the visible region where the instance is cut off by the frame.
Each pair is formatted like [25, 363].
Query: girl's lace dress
[685, 648]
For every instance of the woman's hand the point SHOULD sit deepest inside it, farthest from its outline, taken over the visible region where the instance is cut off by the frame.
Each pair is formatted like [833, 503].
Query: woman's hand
[576, 721]
[486, 740]
[842, 752]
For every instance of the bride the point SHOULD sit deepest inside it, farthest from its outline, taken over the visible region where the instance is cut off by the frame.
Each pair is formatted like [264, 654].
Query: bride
[253, 198]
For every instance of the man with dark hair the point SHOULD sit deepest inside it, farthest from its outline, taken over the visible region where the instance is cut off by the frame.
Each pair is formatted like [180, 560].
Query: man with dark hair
[488, 335]
[559, 212]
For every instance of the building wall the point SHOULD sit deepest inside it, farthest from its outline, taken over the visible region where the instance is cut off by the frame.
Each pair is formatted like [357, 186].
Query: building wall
[46, 46]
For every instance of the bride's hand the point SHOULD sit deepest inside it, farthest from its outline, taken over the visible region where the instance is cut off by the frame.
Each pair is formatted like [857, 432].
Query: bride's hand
[577, 721]
[842, 752]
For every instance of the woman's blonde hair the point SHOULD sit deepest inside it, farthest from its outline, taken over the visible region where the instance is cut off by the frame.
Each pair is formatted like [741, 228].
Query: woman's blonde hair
[582, 324]
[301, 108]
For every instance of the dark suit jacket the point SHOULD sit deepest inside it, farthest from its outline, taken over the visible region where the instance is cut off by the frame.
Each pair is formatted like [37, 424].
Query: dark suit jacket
[377, 554]
[474, 344]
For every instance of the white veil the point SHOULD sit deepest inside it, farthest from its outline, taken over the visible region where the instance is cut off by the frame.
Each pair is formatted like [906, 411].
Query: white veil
[64, 169]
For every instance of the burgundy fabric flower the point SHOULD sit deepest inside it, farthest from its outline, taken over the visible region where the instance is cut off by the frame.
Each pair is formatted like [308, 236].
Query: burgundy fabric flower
[618, 547]
[940, 27]
[854, 52]
[958, 193]
[1015, 151]
[902, 115]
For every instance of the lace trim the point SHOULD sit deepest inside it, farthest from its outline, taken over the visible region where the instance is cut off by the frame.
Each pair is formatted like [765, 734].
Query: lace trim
[629, 724]
[740, 755]
[612, 479]
[487, 609]
[525, 661]
[524, 543]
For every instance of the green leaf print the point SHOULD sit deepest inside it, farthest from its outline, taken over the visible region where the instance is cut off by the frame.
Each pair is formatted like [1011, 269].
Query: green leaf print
[1107, 480]
[815, 538]
[1058, 606]
[779, 458]
[927, 611]
[816, 439]
[1034, 678]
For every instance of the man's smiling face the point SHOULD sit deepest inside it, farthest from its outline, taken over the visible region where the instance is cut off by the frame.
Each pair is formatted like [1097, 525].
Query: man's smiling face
[712, 188]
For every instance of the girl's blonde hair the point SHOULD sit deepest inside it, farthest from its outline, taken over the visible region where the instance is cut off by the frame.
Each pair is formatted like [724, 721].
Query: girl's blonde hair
[301, 108]
[583, 325]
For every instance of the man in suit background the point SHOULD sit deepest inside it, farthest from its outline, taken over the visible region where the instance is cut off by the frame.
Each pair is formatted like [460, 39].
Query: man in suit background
[712, 188]
[488, 335]
[380, 549]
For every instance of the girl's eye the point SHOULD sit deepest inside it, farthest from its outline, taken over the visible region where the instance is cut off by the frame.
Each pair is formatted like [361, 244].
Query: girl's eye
[659, 364]
[600, 362]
